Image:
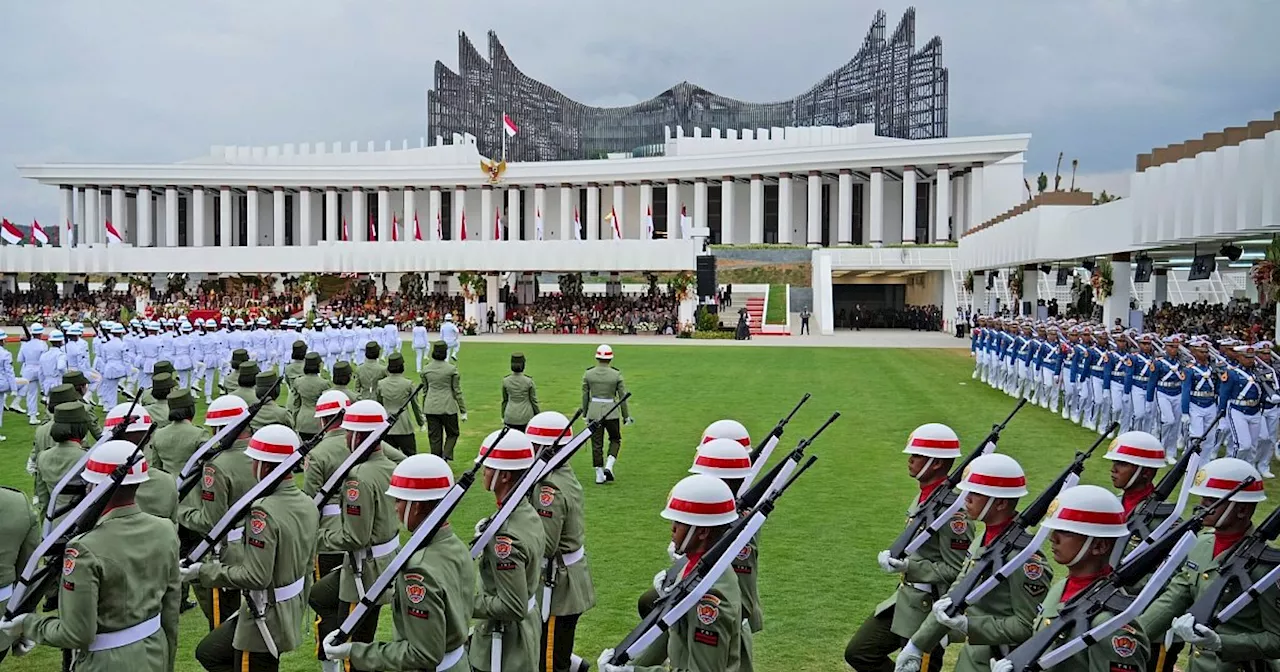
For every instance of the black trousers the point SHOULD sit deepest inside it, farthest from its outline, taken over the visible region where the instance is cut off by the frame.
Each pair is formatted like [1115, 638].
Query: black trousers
[331, 610]
[614, 429]
[557, 643]
[870, 647]
[216, 654]
[407, 443]
[804, 326]
[218, 604]
[442, 433]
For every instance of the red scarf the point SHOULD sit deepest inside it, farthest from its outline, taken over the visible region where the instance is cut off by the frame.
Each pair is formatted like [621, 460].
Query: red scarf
[690, 560]
[1076, 584]
[927, 489]
[1132, 498]
[1223, 542]
[993, 530]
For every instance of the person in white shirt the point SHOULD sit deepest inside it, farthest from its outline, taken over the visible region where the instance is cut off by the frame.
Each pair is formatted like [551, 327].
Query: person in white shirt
[29, 361]
[420, 343]
[449, 334]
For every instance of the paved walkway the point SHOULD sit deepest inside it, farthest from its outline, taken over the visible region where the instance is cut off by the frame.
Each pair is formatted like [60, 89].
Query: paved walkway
[843, 338]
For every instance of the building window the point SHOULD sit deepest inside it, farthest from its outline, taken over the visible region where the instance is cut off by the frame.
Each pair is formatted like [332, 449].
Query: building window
[770, 213]
[446, 215]
[184, 222]
[714, 196]
[922, 211]
[661, 229]
[858, 238]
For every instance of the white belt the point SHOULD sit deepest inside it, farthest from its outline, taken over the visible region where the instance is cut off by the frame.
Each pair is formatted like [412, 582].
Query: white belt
[603, 400]
[575, 557]
[452, 658]
[290, 591]
[922, 587]
[388, 548]
[330, 510]
[6, 592]
[119, 638]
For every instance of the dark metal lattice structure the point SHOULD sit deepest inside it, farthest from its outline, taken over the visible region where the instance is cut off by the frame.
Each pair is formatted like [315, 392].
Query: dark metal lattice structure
[889, 83]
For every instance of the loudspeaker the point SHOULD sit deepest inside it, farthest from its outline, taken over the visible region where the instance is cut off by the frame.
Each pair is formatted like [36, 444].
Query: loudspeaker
[707, 285]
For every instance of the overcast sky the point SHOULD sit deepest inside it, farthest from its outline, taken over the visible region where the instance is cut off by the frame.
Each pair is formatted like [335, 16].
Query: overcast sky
[157, 80]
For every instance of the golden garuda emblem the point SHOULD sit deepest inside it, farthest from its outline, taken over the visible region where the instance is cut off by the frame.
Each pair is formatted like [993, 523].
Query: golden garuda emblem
[494, 169]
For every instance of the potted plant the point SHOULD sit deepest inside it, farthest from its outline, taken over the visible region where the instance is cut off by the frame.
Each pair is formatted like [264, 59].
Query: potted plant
[1102, 282]
[1266, 272]
[1015, 284]
[681, 285]
[473, 285]
[968, 281]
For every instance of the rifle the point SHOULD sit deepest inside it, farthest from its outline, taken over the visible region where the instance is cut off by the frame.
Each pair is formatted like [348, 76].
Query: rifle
[781, 472]
[26, 332]
[990, 568]
[943, 502]
[699, 579]
[1234, 573]
[51, 511]
[1159, 560]
[188, 477]
[760, 454]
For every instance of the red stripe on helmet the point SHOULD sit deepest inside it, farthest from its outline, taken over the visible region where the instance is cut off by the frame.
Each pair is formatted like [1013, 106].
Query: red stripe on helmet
[113, 421]
[743, 441]
[1093, 517]
[232, 412]
[706, 508]
[508, 453]
[107, 467]
[723, 462]
[1228, 484]
[274, 448]
[1137, 451]
[331, 405]
[934, 443]
[546, 432]
[998, 481]
[363, 418]
[434, 483]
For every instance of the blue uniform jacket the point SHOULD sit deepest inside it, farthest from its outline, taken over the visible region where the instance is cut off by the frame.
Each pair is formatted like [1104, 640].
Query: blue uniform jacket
[1139, 374]
[1198, 387]
[1050, 356]
[1167, 376]
[1240, 389]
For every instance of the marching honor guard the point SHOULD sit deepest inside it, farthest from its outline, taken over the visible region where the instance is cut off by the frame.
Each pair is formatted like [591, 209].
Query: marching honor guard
[1166, 413]
[602, 387]
[1135, 457]
[394, 391]
[1241, 394]
[19, 536]
[161, 385]
[246, 379]
[1267, 377]
[434, 592]
[442, 402]
[1140, 384]
[519, 395]
[172, 445]
[271, 413]
[342, 379]
[70, 426]
[419, 342]
[932, 449]
[369, 372]
[272, 570]
[296, 366]
[304, 395]
[1200, 400]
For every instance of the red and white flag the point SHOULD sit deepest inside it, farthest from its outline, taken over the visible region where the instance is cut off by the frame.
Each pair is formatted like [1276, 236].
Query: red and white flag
[439, 227]
[464, 225]
[616, 223]
[373, 228]
[648, 224]
[497, 224]
[10, 233]
[346, 235]
[577, 226]
[395, 233]
[417, 230]
[113, 236]
[537, 224]
[70, 237]
[509, 126]
[38, 236]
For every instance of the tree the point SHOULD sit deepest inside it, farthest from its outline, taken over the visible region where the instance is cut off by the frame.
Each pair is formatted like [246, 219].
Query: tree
[1057, 173]
[1075, 163]
[1042, 182]
[1104, 197]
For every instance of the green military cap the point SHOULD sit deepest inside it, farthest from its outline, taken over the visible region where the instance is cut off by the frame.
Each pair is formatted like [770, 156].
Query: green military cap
[395, 363]
[311, 363]
[62, 394]
[517, 358]
[299, 349]
[163, 381]
[239, 356]
[71, 412]
[181, 398]
[342, 373]
[372, 350]
[74, 377]
[439, 349]
[162, 366]
[247, 374]
[264, 381]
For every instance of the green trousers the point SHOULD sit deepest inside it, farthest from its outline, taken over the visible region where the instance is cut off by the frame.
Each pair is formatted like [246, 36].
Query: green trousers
[217, 654]
[870, 647]
[614, 429]
[442, 433]
[407, 443]
[330, 612]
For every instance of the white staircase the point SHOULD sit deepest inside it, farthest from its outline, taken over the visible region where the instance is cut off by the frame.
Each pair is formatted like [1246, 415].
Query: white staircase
[964, 298]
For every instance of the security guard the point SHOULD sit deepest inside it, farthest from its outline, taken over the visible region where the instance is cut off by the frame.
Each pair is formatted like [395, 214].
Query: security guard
[434, 592]
[342, 379]
[118, 596]
[369, 372]
[442, 402]
[19, 536]
[602, 386]
[1086, 524]
[394, 391]
[367, 532]
[161, 385]
[1253, 634]
[223, 481]
[926, 574]
[519, 395]
[171, 446]
[296, 366]
[246, 379]
[302, 398]
[271, 413]
[510, 566]
[559, 501]
[1004, 617]
[273, 568]
[70, 424]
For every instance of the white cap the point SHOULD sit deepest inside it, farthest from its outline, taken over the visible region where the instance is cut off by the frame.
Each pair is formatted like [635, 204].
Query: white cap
[1088, 510]
[933, 439]
[332, 402]
[117, 328]
[421, 478]
[225, 410]
[722, 458]
[209, 323]
[727, 429]
[1222, 475]
[604, 352]
[513, 453]
[448, 317]
[75, 330]
[544, 428]
[184, 327]
[65, 324]
[1138, 448]
[55, 335]
[104, 460]
[365, 415]
[239, 322]
[702, 501]
[995, 475]
[141, 418]
[272, 443]
[36, 328]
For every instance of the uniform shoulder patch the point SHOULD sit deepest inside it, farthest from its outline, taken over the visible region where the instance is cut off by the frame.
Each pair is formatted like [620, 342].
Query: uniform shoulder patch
[1224, 376]
[257, 522]
[69, 561]
[1036, 590]
[546, 496]
[959, 525]
[1124, 645]
[744, 554]
[1033, 570]
[206, 478]
[502, 546]
[708, 609]
[353, 490]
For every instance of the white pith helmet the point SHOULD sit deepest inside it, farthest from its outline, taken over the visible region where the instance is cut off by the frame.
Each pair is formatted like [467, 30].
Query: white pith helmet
[365, 415]
[225, 410]
[332, 402]
[701, 501]
[1088, 510]
[995, 475]
[1218, 477]
[933, 439]
[545, 427]
[513, 453]
[421, 478]
[104, 460]
[604, 352]
[1138, 448]
[272, 443]
[141, 419]
[722, 458]
[727, 429]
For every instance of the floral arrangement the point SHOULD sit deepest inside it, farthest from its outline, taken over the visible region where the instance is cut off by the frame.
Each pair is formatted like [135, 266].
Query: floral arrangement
[1266, 272]
[545, 325]
[1015, 283]
[176, 283]
[1102, 281]
[469, 327]
[473, 284]
[968, 281]
[512, 325]
[139, 284]
[681, 285]
[610, 327]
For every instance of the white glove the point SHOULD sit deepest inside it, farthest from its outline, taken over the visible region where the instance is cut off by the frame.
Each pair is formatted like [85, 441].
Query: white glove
[1200, 636]
[1186, 420]
[1274, 399]
[891, 565]
[660, 581]
[1001, 665]
[671, 552]
[480, 525]
[14, 628]
[335, 651]
[20, 381]
[190, 572]
[603, 663]
[629, 421]
[463, 417]
[909, 659]
[959, 622]
[22, 647]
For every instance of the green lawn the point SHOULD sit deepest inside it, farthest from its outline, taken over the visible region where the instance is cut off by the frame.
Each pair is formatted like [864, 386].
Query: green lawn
[819, 578]
[776, 308]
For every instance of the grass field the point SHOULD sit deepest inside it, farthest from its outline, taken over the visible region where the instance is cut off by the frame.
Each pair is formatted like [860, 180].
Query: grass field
[777, 313]
[819, 578]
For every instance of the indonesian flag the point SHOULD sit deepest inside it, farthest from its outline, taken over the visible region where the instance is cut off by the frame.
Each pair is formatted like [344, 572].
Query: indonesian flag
[497, 224]
[417, 230]
[373, 229]
[439, 227]
[509, 126]
[346, 235]
[464, 225]
[617, 225]
[70, 239]
[113, 236]
[648, 224]
[537, 224]
[10, 233]
[38, 236]
[577, 226]
[395, 234]
[685, 222]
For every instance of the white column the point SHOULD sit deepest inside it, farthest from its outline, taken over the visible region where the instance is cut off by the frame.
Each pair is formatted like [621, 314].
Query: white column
[619, 209]
[433, 215]
[844, 208]
[456, 210]
[359, 215]
[593, 211]
[384, 214]
[171, 217]
[814, 204]
[784, 208]
[942, 204]
[144, 207]
[306, 234]
[877, 207]
[251, 224]
[410, 211]
[118, 217]
[195, 209]
[700, 203]
[567, 207]
[755, 235]
[92, 217]
[960, 220]
[66, 214]
[277, 214]
[539, 211]
[331, 223]
[80, 236]
[646, 206]
[976, 216]
[513, 213]
[224, 216]
[909, 205]
[1117, 305]
[726, 210]
[489, 213]
[673, 209]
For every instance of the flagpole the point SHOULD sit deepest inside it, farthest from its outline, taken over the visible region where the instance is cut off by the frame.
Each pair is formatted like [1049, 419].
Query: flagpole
[502, 127]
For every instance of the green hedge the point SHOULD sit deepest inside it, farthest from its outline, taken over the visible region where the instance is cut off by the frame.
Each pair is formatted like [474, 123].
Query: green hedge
[713, 335]
[777, 307]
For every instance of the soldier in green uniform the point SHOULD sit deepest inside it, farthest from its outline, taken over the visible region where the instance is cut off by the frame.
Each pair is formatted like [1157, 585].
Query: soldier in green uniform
[148, 398]
[70, 425]
[238, 356]
[519, 395]
[171, 446]
[224, 479]
[1253, 634]
[246, 379]
[559, 501]
[442, 402]
[306, 391]
[323, 460]
[19, 536]
[271, 413]
[708, 638]
[77, 380]
[158, 495]
[932, 449]
[602, 387]
[294, 369]
[273, 569]
[1086, 524]
[369, 372]
[510, 566]
[368, 532]
[433, 593]
[161, 385]
[1004, 617]
[60, 394]
[394, 391]
[118, 596]
[342, 379]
